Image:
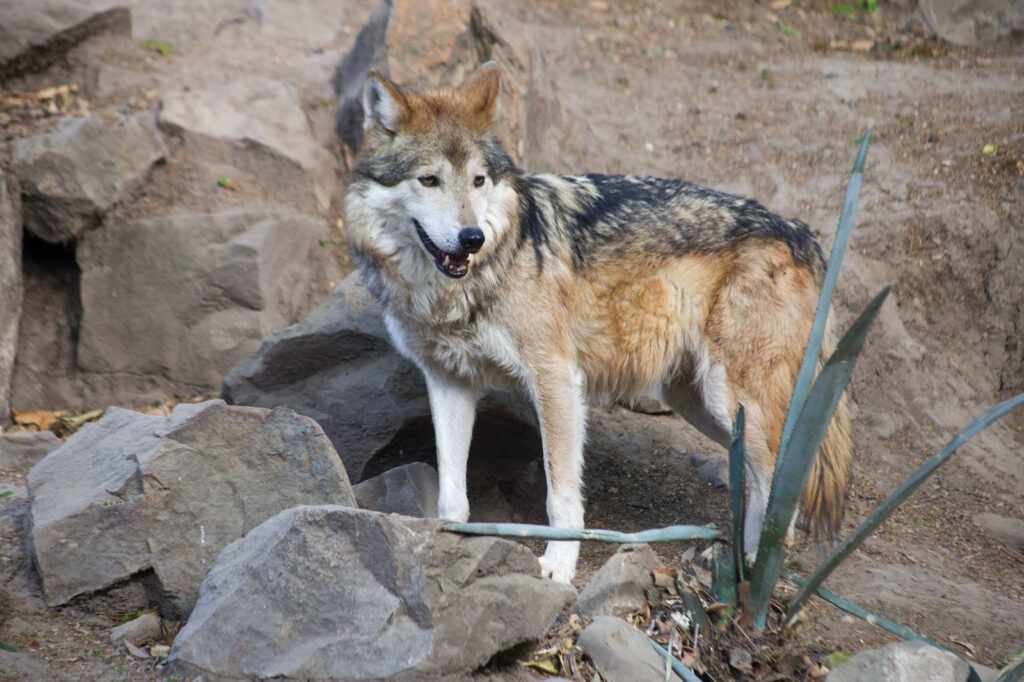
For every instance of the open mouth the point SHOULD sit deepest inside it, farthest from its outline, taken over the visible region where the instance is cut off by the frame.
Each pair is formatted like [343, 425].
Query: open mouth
[454, 264]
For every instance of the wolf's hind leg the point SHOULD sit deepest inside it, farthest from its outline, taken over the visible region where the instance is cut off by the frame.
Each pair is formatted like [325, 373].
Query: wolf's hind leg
[453, 409]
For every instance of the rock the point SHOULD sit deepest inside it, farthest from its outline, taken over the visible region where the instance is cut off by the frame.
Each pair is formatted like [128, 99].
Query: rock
[715, 470]
[158, 497]
[19, 452]
[256, 124]
[348, 594]
[72, 176]
[618, 587]
[1005, 529]
[409, 490]
[741, 660]
[621, 652]
[35, 34]
[369, 52]
[972, 22]
[178, 300]
[338, 367]
[905, 662]
[137, 631]
[434, 42]
[10, 289]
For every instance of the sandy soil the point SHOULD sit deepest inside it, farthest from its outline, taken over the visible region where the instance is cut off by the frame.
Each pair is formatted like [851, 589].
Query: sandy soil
[722, 95]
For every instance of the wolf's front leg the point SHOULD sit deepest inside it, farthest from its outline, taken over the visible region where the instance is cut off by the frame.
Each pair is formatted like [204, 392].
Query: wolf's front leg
[562, 412]
[453, 409]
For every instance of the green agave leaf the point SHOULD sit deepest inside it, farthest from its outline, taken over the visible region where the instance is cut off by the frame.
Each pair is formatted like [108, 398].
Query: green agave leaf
[808, 434]
[736, 491]
[885, 509]
[835, 260]
[1011, 673]
[526, 530]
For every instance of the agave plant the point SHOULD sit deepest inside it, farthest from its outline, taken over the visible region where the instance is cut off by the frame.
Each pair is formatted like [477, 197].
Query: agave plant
[810, 411]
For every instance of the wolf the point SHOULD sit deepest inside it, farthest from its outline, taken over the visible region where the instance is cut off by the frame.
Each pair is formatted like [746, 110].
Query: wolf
[580, 289]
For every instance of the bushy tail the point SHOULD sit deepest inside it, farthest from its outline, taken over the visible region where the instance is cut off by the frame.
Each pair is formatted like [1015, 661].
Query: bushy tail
[824, 498]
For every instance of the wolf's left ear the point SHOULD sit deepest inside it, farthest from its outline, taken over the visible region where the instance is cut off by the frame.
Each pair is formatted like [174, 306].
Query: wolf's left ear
[383, 103]
[482, 89]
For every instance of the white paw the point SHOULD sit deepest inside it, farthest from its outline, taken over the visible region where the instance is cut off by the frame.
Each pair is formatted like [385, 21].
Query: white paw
[559, 561]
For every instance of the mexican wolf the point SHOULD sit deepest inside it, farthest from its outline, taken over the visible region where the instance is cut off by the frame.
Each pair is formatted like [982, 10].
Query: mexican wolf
[580, 289]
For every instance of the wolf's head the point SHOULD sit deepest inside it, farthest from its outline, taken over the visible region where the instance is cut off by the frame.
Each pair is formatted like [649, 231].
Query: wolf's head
[434, 167]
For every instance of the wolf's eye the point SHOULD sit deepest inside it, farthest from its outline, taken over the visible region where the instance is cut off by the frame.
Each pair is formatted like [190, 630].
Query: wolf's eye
[478, 181]
[428, 180]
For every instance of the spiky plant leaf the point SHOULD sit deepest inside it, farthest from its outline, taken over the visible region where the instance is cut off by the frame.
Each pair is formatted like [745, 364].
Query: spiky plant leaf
[526, 530]
[835, 259]
[807, 437]
[736, 456]
[885, 509]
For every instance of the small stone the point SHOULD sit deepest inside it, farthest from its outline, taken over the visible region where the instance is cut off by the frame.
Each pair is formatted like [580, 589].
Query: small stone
[137, 631]
[409, 490]
[904, 661]
[741, 660]
[618, 587]
[622, 653]
[1005, 529]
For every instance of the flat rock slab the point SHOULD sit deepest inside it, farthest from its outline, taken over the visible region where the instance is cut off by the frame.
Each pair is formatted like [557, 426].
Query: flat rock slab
[903, 662]
[347, 594]
[135, 494]
[622, 653]
[70, 177]
[184, 297]
[338, 367]
[35, 34]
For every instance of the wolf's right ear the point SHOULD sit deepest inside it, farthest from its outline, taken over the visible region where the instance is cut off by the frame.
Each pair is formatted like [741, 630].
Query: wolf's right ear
[384, 104]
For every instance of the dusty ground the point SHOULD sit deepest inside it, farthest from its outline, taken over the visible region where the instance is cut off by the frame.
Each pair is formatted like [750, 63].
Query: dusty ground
[769, 103]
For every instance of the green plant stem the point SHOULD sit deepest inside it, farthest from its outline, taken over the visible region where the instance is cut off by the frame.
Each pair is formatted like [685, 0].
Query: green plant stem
[525, 530]
[844, 604]
[885, 509]
[677, 665]
[736, 491]
[810, 361]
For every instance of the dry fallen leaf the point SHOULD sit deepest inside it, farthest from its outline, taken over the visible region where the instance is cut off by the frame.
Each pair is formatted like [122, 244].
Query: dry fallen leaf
[42, 419]
[862, 45]
[781, 4]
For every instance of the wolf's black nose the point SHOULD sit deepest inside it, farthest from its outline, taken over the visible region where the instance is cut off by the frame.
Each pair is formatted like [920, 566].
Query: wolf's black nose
[471, 239]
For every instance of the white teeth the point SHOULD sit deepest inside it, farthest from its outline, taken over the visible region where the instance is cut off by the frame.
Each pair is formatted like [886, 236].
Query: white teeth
[447, 260]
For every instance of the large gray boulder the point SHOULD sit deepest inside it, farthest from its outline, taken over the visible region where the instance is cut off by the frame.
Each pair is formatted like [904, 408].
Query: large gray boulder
[903, 662]
[10, 290]
[134, 494]
[35, 34]
[257, 124]
[72, 176]
[338, 367]
[180, 299]
[973, 22]
[344, 594]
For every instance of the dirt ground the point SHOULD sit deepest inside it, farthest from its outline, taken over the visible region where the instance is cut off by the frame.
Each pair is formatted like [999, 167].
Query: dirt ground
[768, 100]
